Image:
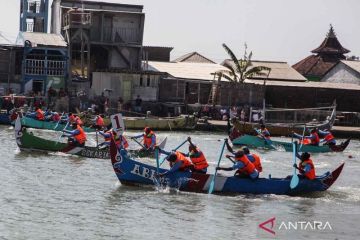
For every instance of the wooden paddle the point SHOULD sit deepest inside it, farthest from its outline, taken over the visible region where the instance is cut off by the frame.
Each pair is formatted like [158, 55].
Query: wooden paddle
[57, 124]
[212, 183]
[295, 178]
[134, 139]
[163, 159]
[62, 132]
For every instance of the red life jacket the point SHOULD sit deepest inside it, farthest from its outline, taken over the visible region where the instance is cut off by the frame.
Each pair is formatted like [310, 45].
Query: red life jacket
[329, 137]
[56, 117]
[147, 139]
[40, 115]
[248, 168]
[81, 137]
[305, 141]
[316, 140]
[185, 163]
[257, 162]
[311, 174]
[100, 121]
[200, 161]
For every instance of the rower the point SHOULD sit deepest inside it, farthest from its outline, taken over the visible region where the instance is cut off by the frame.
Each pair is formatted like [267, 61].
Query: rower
[177, 161]
[306, 166]
[244, 168]
[71, 118]
[197, 158]
[77, 136]
[38, 114]
[264, 133]
[313, 137]
[55, 117]
[254, 158]
[327, 136]
[78, 120]
[149, 139]
[120, 140]
[99, 122]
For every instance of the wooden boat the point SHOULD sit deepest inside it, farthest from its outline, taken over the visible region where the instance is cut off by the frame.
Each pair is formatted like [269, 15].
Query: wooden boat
[49, 125]
[27, 141]
[132, 172]
[183, 122]
[284, 128]
[256, 142]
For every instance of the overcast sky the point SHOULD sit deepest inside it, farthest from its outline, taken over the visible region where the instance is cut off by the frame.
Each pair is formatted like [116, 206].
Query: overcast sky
[278, 30]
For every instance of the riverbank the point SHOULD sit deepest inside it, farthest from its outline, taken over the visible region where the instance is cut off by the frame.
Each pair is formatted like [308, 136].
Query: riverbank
[338, 131]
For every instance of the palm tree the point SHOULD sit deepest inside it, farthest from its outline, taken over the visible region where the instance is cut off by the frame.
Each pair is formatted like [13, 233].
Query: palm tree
[240, 69]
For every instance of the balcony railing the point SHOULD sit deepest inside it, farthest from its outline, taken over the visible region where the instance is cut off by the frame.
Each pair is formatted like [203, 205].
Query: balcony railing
[38, 67]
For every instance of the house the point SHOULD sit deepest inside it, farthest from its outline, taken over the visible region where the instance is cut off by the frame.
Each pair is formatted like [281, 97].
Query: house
[325, 57]
[344, 72]
[193, 57]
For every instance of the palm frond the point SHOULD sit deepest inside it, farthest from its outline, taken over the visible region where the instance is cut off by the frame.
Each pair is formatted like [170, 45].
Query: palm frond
[257, 71]
[232, 57]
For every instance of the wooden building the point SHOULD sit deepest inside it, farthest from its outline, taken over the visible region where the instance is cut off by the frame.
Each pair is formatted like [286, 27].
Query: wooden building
[325, 57]
[100, 35]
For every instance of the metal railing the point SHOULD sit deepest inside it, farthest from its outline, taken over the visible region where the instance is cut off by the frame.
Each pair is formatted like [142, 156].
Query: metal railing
[77, 18]
[42, 67]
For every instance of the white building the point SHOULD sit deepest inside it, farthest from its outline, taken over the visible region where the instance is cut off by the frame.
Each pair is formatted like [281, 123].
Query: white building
[344, 72]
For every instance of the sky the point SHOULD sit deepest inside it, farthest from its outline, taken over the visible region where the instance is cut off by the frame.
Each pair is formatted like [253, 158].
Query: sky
[274, 30]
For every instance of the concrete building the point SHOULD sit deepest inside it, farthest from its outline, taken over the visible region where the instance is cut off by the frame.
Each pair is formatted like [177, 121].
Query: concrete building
[101, 35]
[34, 15]
[344, 72]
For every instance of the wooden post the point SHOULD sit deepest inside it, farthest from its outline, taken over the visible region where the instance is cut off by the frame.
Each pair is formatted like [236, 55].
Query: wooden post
[198, 93]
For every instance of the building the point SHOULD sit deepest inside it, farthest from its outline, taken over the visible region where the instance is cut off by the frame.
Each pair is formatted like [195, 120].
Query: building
[344, 72]
[193, 57]
[325, 57]
[34, 15]
[153, 53]
[44, 62]
[101, 35]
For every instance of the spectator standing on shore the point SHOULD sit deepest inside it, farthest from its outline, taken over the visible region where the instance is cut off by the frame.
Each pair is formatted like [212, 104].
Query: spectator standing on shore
[120, 104]
[138, 102]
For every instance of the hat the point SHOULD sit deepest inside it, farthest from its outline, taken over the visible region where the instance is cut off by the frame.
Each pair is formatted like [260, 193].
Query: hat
[239, 153]
[172, 157]
[305, 156]
[246, 150]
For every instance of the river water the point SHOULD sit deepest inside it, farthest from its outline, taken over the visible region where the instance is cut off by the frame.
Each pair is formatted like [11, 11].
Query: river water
[56, 196]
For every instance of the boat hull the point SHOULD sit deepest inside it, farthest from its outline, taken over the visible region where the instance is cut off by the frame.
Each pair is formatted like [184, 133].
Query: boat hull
[132, 172]
[49, 125]
[256, 142]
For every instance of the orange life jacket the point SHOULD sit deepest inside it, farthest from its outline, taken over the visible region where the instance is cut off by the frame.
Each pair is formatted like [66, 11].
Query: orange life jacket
[100, 121]
[257, 162]
[147, 139]
[329, 137]
[81, 137]
[311, 174]
[316, 140]
[305, 141]
[248, 168]
[40, 115]
[185, 163]
[200, 161]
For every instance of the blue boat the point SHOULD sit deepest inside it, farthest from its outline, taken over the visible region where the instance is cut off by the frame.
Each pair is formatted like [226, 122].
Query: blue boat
[5, 118]
[132, 172]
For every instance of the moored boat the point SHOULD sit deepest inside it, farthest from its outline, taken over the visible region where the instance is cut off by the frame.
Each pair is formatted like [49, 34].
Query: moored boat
[132, 172]
[256, 142]
[27, 141]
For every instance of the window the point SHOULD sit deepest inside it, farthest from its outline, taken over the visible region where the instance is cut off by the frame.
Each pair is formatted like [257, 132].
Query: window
[148, 81]
[141, 80]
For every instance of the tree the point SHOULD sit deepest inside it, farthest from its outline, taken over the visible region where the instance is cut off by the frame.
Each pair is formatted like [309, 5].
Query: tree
[240, 69]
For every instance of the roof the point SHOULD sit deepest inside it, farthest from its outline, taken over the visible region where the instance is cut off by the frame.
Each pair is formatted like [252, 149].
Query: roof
[331, 44]
[309, 84]
[108, 5]
[280, 71]
[7, 39]
[194, 57]
[41, 39]
[315, 65]
[186, 70]
[355, 65]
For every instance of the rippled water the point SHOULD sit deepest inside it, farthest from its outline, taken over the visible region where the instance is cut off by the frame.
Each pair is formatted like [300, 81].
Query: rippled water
[57, 196]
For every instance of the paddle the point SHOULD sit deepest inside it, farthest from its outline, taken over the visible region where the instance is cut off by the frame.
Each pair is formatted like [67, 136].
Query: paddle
[62, 132]
[57, 124]
[212, 183]
[266, 141]
[295, 178]
[157, 160]
[97, 140]
[163, 159]
[302, 139]
[134, 139]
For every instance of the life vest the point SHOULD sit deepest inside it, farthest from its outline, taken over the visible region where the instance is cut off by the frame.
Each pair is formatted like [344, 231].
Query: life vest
[329, 137]
[311, 174]
[100, 121]
[305, 141]
[78, 121]
[200, 161]
[81, 137]
[248, 168]
[185, 163]
[255, 159]
[147, 139]
[316, 140]
[40, 115]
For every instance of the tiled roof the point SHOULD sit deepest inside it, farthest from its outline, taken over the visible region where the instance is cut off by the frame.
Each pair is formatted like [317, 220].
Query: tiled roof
[41, 39]
[315, 65]
[186, 70]
[194, 57]
[280, 71]
[331, 45]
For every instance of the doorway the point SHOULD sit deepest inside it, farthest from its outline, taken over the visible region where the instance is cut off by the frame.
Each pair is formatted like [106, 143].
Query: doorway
[38, 86]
